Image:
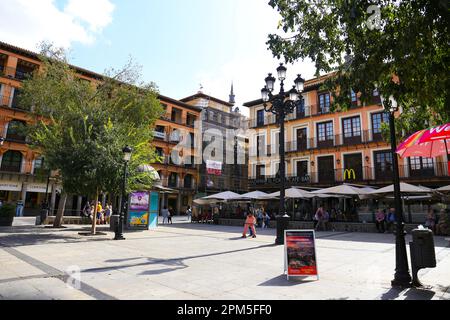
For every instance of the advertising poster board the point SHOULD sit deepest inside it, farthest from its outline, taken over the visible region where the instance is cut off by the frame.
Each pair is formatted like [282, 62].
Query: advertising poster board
[139, 201]
[138, 216]
[300, 259]
[138, 219]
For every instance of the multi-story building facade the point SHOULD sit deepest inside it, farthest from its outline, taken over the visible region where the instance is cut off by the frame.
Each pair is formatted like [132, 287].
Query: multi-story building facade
[182, 177]
[219, 115]
[325, 148]
[21, 168]
[22, 174]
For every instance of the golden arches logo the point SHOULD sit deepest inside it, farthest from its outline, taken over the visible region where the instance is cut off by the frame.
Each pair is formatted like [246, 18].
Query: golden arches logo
[348, 173]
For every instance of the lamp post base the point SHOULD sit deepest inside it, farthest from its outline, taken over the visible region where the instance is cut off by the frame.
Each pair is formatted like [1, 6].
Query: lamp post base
[119, 237]
[402, 281]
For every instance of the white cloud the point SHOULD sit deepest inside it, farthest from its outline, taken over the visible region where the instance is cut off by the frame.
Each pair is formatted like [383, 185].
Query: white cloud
[24, 23]
[246, 69]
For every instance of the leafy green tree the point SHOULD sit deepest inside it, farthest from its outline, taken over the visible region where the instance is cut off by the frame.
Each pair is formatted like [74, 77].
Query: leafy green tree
[80, 127]
[409, 39]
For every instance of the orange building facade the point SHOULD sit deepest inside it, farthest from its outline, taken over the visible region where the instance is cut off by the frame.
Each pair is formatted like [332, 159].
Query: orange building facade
[325, 148]
[22, 177]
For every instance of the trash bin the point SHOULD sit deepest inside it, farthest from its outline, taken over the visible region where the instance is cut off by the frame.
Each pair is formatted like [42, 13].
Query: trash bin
[43, 215]
[422, 252]
[114, 221]
[282, 225]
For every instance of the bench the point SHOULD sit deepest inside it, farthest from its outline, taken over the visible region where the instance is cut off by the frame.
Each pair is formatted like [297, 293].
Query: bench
[68, 220]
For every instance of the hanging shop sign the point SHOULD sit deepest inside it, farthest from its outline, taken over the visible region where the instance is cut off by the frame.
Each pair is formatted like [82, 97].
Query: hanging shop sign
[300, 253]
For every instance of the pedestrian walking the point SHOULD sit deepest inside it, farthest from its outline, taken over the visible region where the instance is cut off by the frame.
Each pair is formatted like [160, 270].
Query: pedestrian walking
[169, 217]
[259, 217]
[319, 218]
[19, 208]
[266, 220]
[189, 213]
[165, 214]
[99, 213]
[249, 223]
[380, 218]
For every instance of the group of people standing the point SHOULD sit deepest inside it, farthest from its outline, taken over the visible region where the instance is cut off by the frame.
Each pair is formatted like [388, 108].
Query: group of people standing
[103, 214]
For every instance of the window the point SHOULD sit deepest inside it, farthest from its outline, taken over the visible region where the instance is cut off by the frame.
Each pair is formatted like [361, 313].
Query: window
[260, 118]
[325, 134]
[15, 131]
[383, 165]
[301, 139]
[354, 98]
[11, 161]
[188, 181]
[324, 102]
[352, 130]
[260, 171]
[300, 108]
[377, 120]
[173, 177]
[260, 145]
[39, 165]
[421, 167]
[302, 169]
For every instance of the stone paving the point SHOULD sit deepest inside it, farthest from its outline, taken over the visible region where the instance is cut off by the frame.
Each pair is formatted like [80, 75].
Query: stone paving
[187, 261]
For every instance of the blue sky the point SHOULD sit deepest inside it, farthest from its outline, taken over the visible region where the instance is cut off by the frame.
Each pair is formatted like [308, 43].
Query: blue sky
[179, 43]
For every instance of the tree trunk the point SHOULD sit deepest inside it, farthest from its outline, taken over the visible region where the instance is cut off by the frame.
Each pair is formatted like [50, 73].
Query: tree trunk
[94, 218]
[60, 214]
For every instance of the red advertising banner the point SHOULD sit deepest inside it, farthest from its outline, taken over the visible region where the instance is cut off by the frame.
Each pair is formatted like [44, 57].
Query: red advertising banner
[300, 253]
[214, 167]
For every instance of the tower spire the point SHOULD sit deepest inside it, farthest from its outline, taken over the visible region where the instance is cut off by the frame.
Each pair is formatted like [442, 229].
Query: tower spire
[232, 96]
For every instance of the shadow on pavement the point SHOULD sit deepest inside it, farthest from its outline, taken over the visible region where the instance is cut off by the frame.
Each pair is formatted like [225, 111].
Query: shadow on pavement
[409, 294]
[171, 262]
[282, 281]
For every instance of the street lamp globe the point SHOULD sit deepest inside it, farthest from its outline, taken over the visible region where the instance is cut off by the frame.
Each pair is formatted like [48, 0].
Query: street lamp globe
[281, 70]
[293, 94]
[270, 82]
[127, 151]
[299, 83]
[265, 94]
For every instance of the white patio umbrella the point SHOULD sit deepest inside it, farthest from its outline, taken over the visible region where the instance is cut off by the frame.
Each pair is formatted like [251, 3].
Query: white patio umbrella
[254, 195]
[226, 195]
[444, 189]
[343, 189]
[293, 193]
[404, 188]
[207, 201]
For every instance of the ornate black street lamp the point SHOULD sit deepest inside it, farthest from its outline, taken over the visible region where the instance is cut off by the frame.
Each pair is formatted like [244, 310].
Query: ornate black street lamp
[402, 277]
[281, 105]
[127, 151]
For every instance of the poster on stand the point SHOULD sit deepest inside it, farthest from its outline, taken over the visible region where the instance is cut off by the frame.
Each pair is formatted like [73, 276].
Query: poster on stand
[300, 253]
[139, 201]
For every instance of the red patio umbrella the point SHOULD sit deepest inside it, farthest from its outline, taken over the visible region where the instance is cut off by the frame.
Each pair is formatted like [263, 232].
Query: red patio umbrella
[429, 143]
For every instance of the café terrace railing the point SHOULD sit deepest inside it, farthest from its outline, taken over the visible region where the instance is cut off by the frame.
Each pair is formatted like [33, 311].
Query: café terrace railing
[357, 175]
[338, 140]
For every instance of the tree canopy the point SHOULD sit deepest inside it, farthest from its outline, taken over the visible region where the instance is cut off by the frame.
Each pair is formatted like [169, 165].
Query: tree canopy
[80, 126]
[400, 47]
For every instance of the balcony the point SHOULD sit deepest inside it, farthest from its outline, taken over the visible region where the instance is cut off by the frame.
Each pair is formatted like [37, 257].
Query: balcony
[159, 135]
[14, 137]
[362, 175]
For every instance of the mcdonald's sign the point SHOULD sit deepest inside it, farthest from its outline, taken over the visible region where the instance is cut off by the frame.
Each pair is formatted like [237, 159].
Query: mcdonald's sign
[348, 173]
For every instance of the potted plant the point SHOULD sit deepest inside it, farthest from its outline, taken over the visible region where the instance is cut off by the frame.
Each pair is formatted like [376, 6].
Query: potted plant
[7, 213]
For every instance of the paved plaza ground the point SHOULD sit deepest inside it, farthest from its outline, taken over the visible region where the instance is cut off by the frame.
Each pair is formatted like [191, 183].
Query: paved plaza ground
[187, 261]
